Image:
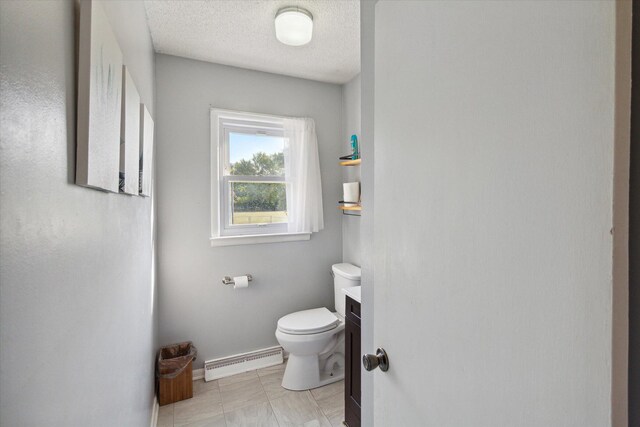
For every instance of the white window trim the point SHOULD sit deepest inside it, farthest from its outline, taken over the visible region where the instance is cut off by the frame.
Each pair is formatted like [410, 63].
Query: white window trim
[218, 238]
[255, 239]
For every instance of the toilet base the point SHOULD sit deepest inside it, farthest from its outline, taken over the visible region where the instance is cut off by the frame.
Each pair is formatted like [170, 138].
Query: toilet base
[303, 373]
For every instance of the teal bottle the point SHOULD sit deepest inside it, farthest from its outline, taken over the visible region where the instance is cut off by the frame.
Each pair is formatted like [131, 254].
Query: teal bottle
[354, 147]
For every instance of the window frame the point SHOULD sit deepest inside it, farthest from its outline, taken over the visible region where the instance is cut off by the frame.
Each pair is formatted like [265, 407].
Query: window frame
[223, 233]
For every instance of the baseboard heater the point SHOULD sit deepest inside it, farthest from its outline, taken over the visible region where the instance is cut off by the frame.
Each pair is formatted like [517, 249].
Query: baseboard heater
[239, 363]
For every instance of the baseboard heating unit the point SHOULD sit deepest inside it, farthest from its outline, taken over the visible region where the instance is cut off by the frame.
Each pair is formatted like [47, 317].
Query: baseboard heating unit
[239, 363]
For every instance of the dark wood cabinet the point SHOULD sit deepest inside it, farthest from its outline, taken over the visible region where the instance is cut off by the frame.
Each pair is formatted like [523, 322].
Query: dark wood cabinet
[352, 364]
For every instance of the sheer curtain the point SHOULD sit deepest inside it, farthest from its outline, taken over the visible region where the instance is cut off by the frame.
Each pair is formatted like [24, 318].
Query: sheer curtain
[302, 173]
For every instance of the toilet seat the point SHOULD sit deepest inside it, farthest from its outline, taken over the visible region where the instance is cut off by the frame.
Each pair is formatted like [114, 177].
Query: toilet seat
[308, 322]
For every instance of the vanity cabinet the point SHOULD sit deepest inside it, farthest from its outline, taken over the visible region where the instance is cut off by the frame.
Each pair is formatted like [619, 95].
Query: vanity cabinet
[352, 363]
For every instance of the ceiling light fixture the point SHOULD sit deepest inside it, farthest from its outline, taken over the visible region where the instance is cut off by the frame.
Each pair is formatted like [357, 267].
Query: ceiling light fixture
[294, 26]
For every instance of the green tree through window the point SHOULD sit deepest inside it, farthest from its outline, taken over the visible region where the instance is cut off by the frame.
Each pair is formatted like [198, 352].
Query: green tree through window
[259, 196]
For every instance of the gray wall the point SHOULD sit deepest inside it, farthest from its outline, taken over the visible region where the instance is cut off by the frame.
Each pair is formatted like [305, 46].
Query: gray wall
[367, 91]
[77, 295]
[193, 303]
[351, 125]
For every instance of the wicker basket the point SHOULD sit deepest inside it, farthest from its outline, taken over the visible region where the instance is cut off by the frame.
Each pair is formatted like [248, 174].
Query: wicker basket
[175, 373]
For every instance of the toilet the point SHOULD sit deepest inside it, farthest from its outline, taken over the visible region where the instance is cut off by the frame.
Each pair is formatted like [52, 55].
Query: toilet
[314, 338]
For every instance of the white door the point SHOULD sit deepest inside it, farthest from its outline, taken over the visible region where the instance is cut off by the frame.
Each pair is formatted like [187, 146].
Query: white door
[494, 151]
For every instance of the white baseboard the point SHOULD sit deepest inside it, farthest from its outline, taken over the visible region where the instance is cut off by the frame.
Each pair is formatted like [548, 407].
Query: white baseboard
[198, 374]
[154, 412]
[239, 363]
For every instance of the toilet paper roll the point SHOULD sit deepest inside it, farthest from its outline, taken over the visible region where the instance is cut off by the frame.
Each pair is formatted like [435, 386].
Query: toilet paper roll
[240, 282]
[351, 193]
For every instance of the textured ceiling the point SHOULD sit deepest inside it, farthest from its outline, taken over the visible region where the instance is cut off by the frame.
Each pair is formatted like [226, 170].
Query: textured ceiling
[242, 33]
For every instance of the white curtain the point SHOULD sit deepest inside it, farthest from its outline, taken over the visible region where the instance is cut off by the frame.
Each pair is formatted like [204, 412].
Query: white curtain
[302, 173]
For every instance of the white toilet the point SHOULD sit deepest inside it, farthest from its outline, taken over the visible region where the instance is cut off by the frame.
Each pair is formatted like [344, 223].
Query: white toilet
[314, 338]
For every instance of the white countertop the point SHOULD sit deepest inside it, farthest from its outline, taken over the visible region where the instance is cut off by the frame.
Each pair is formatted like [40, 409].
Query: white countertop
[353, 292]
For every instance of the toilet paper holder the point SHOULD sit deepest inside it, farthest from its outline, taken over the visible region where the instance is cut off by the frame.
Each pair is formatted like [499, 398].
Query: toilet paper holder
[228, 280]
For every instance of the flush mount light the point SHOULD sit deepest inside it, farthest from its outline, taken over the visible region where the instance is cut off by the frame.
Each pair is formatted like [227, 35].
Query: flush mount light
[294, 26]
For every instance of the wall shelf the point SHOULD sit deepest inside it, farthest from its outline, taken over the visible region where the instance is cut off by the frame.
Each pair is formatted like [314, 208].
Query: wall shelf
[351, 208]
[355, 162]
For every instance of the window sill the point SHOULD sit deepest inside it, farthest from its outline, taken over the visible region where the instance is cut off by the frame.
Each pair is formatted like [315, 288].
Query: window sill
[255, 239]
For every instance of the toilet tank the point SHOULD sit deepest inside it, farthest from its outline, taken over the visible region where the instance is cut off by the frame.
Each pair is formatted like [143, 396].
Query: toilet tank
[345, 275]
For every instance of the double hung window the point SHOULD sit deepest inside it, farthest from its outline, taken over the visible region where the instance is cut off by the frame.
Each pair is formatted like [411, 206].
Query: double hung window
[260, 165]
[252, 184]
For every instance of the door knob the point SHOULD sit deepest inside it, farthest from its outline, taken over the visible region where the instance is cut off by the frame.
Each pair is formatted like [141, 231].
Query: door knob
[372, 361]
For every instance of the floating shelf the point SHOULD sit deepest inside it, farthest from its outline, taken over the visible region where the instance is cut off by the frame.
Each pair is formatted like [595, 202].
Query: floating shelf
[350, 210]
[355, 162]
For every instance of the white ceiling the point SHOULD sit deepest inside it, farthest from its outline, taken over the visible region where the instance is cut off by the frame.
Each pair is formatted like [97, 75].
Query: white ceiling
[242, 33]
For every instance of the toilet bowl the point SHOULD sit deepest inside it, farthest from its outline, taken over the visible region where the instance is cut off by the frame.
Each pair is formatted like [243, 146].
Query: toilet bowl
[314, 338]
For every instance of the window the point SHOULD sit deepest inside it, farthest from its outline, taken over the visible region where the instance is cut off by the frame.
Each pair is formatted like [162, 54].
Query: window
[251, 194]
[252, 183]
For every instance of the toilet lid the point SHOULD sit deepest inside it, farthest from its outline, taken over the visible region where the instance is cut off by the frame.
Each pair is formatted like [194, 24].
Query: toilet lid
[305, 322]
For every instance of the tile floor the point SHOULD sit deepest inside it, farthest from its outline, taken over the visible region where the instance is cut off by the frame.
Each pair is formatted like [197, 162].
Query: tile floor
[256, 398]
